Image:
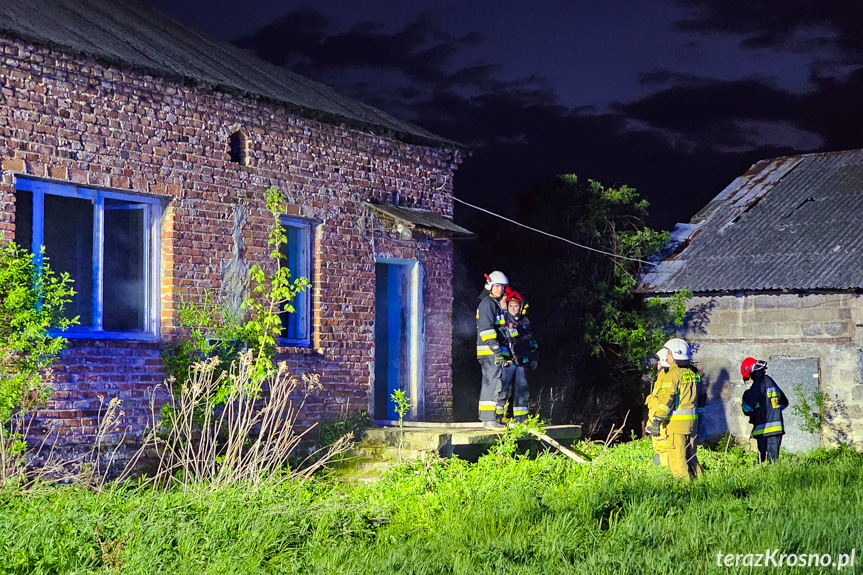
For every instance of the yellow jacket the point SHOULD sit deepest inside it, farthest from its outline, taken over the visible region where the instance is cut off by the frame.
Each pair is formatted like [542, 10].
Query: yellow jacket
[677, 400]
[652, 400]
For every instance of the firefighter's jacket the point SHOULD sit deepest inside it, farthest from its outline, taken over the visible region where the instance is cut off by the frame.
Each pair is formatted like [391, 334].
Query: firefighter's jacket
[520, 339]
[652, 400]
[763, 402]
[679, 401]
[490, 326]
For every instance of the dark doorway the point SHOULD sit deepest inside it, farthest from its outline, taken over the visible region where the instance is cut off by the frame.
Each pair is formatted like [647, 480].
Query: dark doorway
[394, 341]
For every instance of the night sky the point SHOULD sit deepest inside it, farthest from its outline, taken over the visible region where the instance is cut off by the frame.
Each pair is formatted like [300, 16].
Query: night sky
[673, 97]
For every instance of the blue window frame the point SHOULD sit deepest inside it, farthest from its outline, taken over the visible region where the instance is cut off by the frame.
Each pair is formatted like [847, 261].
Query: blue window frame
[297, 252]
[108, 242]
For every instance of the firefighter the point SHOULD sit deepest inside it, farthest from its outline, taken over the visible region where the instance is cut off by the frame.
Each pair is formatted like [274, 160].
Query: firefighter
[678, 400]
[491, 348]
[660, 457]
[763, 402]
[523, 346]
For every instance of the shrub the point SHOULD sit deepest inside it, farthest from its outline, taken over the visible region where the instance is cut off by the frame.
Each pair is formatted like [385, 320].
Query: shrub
[32, 302]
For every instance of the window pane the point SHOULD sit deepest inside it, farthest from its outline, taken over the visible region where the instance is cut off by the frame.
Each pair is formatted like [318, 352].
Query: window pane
[24, 219]
[123, 294]
[68, 229]
[295, 251]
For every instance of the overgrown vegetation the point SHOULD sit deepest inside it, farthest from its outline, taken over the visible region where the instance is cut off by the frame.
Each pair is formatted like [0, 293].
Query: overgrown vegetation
[32, 302]
[209, 331]
[503, 514]
[822, 415]
[249, 440]
[232, 412]
[811, 407]
[402, 406]
[349, 424]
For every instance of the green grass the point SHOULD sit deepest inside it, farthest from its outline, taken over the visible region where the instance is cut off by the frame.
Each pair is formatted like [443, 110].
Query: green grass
[500, 515]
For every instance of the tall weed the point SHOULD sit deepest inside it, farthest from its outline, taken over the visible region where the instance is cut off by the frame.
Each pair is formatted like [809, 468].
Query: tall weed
[227, 430]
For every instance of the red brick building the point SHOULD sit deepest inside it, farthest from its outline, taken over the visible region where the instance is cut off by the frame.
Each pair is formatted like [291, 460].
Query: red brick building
[138, 152]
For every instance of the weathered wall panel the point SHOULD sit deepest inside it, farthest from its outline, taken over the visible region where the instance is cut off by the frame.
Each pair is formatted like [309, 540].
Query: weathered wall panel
[822, 326]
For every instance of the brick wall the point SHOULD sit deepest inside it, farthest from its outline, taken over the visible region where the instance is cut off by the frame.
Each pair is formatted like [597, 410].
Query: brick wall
[775, 326]
[75, 120]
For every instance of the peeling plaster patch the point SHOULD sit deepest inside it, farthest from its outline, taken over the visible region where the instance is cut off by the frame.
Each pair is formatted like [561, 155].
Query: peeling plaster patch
[235, 271]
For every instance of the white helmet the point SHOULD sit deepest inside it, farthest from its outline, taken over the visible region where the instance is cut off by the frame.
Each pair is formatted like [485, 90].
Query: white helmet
[679, 349]
[495, 278]
[663, 362]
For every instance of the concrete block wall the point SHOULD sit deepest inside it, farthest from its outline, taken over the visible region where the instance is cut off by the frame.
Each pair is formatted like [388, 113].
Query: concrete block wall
[71, 119]
[827, 326]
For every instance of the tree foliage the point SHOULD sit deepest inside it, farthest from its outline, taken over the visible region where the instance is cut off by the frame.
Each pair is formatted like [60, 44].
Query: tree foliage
[594, 330]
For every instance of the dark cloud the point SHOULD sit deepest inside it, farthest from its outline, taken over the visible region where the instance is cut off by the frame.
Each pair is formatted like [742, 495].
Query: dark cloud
[832, 110]
[795, 25]
[691, 105]
[707, 110]
[304, 41]
[515, 146]
[701, 109]
[685, 141]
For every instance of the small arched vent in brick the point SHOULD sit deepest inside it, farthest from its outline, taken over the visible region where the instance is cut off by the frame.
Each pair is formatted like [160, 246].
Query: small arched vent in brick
[237, 148]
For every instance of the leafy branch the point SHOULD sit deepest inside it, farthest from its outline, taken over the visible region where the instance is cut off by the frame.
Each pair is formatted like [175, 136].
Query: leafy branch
[272, 295]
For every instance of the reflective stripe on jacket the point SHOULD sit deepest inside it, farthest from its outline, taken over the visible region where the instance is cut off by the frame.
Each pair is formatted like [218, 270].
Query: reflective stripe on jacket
[678, 400]
[490, 323]
[763, 402]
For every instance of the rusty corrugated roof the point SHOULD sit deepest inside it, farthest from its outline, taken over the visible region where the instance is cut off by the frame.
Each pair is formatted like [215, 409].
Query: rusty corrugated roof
[787, 223]
[424, 220]
[129, 34]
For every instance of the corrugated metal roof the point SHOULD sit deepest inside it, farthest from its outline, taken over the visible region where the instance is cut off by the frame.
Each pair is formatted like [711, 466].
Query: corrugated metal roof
[423, 219]
[787, 223]
[128, 34]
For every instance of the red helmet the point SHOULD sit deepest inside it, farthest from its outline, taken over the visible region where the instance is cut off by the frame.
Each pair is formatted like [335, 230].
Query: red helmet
[749, 365]
[512, 294]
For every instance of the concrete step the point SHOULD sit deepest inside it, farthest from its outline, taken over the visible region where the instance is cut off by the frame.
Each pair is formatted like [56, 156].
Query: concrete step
[428, 439]
[468, 441]
[392, 453]
[372, 451]
[564, 434]
[357, 478]
[371, 466]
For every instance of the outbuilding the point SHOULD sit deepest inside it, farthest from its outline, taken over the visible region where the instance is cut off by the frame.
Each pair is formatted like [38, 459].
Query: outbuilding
[775, 263]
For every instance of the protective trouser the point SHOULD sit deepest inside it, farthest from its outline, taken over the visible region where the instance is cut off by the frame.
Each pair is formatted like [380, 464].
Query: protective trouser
[682, 457]
[660, 453]
[490, 389]
[768, 447]
[514, 380]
